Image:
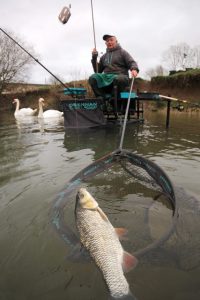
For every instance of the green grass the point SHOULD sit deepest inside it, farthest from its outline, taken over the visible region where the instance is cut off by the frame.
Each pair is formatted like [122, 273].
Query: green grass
[181, 79]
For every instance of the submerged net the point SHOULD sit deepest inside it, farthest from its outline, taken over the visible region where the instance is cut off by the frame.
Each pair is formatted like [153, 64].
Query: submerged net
[133, 191]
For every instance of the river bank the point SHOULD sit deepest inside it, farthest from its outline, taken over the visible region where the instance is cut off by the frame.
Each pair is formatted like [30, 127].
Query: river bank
[183, 86]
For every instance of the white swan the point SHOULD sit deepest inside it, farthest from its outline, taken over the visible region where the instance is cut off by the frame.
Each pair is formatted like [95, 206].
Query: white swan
[23, 112]
[50, 113]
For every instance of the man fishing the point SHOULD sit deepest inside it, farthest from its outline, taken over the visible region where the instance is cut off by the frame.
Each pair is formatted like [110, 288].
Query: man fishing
[112, 69]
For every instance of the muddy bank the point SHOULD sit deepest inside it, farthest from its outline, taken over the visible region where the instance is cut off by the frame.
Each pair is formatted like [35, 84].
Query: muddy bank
[191, 94]
[30, 99]
[183, 84]
[52, 95]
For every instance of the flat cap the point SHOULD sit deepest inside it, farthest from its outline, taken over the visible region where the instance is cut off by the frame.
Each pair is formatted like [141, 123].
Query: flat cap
[106, 36]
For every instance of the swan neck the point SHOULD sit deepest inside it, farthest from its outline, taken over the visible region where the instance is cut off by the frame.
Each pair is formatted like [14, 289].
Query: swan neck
[17, 106]
[40, 114]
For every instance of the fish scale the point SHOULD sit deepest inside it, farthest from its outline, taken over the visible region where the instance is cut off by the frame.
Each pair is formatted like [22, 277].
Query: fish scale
[100, 239]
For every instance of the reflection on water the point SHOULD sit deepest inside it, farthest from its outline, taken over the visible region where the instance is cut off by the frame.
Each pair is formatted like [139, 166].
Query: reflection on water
[37, 160]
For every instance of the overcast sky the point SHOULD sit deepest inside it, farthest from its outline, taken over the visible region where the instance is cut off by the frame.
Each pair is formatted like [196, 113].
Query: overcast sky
[145, 28]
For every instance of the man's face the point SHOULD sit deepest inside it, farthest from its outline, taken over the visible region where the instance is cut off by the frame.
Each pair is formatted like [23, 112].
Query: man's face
[111, 42]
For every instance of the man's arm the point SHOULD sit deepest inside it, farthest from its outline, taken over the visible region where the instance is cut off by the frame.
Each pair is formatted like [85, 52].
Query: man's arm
[97, 67]
[131, 63]
[94, 60]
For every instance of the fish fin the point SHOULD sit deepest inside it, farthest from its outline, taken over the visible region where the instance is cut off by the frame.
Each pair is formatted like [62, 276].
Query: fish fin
[102, 214]
[129, 262]
[121, 233]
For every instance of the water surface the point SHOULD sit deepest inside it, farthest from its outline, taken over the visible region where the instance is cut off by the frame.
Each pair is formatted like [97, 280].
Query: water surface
[37, 161]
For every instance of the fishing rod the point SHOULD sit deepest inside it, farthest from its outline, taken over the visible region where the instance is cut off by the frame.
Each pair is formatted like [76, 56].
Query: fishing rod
[35, 59]
[93, 25]
[94, 36]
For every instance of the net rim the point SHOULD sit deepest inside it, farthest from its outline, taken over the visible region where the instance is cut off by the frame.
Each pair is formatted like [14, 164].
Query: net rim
[95, 168]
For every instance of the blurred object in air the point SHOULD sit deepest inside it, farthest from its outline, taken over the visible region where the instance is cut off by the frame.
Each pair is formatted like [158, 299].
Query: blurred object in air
[65, 14]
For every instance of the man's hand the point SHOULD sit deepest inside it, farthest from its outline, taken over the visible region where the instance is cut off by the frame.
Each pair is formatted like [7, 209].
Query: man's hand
[134, 73]
[94, 52]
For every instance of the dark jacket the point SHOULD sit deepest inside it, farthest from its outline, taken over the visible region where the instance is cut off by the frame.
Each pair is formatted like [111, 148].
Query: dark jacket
[116, 61]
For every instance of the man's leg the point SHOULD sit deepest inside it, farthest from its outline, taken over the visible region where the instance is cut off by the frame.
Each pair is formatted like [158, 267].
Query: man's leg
[97, 91]
[121, 81]
[119, 85]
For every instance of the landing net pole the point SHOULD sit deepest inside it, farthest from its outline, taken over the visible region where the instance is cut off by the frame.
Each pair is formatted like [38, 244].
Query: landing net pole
[126, 115]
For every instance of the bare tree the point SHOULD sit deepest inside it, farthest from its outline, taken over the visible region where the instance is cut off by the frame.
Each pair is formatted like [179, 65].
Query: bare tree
[75, 75]
[196, 56]
[53, 81]
[157, 71]
[14, 62]
[150, 73]
[178, 56]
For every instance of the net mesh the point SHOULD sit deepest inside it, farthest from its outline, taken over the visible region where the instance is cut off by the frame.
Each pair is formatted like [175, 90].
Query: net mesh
[133, 192]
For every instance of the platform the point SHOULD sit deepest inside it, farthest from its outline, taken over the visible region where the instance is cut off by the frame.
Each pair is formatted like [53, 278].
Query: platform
[82, 112]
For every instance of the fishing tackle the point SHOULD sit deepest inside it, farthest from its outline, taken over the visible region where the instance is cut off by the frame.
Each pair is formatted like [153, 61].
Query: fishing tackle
[65, 14]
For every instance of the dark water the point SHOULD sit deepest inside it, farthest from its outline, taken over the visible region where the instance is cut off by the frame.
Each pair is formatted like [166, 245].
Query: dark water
[37, 160]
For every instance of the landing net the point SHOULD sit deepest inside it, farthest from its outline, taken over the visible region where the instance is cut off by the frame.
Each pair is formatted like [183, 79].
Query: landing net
[133, 191]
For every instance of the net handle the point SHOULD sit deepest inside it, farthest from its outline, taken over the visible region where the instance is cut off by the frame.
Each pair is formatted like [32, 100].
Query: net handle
[126, 116]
